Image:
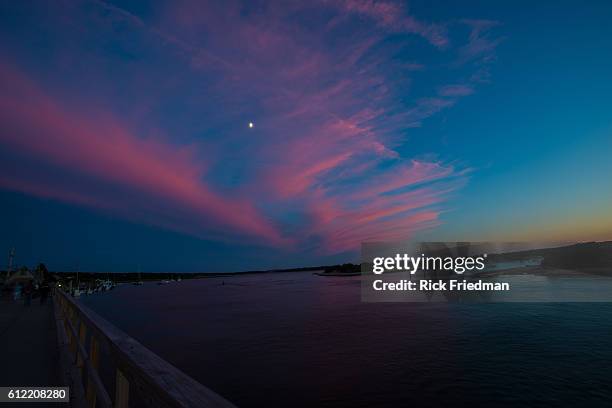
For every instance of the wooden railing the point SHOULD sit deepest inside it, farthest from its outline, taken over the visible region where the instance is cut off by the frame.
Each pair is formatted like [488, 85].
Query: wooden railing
[137, 370]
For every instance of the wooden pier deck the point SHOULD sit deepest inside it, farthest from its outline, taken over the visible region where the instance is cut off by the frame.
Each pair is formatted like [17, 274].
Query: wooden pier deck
[64, 343]
[28, 344]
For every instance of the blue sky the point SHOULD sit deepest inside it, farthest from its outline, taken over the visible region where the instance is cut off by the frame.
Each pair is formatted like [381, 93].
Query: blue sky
[125, 141]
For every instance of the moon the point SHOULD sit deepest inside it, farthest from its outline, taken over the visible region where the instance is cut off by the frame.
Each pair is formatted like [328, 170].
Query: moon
[251, 125]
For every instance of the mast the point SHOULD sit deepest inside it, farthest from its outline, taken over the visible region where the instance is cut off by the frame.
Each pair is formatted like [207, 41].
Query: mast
[10, 262]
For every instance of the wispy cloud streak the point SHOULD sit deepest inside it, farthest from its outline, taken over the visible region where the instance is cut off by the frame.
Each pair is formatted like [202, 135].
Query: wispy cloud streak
[330, 86]
[101, 150]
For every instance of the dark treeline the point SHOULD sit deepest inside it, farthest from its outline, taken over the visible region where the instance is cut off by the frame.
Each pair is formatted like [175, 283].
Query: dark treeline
[156, 276]
[347, 268]
[122, 276]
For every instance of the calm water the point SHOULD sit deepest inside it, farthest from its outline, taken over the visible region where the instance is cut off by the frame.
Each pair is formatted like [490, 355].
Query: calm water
[299, 340]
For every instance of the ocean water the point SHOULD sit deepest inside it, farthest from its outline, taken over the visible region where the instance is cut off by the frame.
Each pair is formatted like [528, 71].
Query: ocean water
[300, 340]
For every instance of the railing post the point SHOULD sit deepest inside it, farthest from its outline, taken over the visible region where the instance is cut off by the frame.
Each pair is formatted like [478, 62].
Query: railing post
[74, 348]
[157, 381]
[82, 336]
[94, 350]
[71, 340]
[122, 391]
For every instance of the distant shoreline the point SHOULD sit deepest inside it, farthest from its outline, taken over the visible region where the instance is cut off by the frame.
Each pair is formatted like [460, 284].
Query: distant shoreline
[337, 273]
[158, 276]
[548, 271]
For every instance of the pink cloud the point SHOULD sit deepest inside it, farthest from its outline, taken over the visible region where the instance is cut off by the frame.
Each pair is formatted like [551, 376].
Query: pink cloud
[404, 176]
[383, 208]
[101, 148]
[394, 16]
[323, 139]
[389, 230]
[332, 113]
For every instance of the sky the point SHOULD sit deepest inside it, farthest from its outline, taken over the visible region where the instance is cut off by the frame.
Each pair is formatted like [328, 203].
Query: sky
[125, 141]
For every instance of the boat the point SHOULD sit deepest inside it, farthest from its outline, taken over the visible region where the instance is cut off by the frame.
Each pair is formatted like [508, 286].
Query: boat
[107, 285]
